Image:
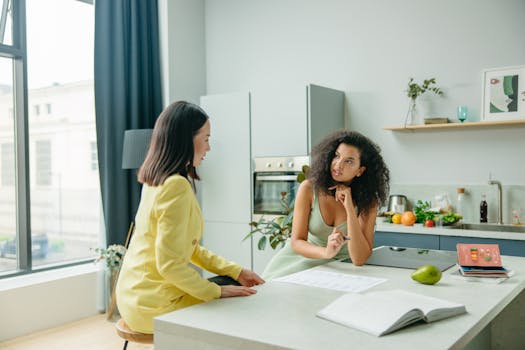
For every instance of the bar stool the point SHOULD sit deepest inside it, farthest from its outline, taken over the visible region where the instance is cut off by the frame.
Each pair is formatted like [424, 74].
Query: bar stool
[128, 335]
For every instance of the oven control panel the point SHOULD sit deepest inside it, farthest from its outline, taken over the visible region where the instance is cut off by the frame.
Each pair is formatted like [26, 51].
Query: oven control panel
[273, 164]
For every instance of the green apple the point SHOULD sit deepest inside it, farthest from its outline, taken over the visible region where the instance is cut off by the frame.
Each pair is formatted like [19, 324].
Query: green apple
[427, 274]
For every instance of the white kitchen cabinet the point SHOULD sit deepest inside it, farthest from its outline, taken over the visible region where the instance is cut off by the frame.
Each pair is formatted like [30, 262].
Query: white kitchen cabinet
[225, 186]
[289, 121]
[226, 170]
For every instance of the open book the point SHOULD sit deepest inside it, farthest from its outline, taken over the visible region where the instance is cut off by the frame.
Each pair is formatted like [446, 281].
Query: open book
[383, 312]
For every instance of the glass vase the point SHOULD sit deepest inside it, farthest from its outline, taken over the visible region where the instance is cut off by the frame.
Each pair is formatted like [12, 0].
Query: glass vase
[412, 117]
[111, 282]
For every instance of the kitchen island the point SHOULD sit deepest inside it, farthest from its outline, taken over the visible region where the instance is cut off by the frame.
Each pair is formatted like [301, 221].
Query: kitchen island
[282, 316]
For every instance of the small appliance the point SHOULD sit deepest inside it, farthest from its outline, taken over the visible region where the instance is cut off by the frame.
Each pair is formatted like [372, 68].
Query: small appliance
[397, 203]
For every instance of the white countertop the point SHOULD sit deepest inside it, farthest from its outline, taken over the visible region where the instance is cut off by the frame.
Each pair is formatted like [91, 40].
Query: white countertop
[445, 231]
[282, 315]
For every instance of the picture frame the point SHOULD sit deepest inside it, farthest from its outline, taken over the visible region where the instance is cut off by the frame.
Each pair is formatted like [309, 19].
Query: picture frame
[503, 95]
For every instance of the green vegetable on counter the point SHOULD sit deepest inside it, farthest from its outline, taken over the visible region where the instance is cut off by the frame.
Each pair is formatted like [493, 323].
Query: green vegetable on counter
[451, 218]
[422, 211]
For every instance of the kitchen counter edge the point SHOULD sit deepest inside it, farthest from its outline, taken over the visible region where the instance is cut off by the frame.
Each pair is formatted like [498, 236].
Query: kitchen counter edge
[443, 231]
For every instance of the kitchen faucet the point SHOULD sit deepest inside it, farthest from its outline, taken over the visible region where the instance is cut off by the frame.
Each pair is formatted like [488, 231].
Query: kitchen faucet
[500, 200]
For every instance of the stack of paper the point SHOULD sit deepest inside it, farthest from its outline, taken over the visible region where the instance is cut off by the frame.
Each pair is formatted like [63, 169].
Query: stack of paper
[331, 280]
[480, 260]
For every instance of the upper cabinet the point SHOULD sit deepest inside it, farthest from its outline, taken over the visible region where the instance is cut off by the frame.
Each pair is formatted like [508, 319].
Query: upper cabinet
[289, 121]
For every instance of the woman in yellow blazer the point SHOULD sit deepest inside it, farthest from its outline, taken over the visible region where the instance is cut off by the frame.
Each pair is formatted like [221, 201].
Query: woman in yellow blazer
[156, 276]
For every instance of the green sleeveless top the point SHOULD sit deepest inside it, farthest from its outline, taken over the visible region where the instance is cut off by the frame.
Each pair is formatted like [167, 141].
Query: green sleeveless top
[286, 261]
[318, 230]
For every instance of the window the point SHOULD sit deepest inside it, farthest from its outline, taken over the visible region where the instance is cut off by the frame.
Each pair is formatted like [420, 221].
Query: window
[8, 164]
[94, 156]
[6, 22]
[47, 163]
[43, 163]
[8, 194]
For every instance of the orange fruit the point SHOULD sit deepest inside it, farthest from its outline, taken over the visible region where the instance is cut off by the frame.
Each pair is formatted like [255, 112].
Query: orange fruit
[408, 218]
[396, 218]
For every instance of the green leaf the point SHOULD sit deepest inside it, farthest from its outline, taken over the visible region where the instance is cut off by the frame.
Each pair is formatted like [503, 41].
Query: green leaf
[422, 212]
[273, 231]
[274, 244]
[276, 225]
[288, 220]
[273, 239]
[249, 235]
[414, 89]
[262, 243]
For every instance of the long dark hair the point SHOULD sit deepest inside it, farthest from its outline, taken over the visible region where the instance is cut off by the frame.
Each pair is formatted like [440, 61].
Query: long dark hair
[171, 148]
[371, 188]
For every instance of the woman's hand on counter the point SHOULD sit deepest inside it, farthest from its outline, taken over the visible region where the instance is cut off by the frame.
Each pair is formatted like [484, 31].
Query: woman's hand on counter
[236, 291]
[249, 278]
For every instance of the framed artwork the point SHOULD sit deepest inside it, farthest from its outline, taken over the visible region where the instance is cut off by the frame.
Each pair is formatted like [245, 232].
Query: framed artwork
[503, 94]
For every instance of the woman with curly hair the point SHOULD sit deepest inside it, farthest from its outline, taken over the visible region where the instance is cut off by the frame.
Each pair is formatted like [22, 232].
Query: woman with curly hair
[336, 207]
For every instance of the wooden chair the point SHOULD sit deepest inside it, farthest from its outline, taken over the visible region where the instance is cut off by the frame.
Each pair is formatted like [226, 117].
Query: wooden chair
[128, 335]
[121, 327]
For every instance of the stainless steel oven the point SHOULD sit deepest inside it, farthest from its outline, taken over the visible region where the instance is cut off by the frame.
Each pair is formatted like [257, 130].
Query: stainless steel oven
[274, 177]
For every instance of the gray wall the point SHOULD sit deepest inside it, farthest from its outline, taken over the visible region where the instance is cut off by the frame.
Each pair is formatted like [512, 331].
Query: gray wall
[369, 49]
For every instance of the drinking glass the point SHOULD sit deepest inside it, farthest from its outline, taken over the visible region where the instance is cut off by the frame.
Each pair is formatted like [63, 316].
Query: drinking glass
[462, 113]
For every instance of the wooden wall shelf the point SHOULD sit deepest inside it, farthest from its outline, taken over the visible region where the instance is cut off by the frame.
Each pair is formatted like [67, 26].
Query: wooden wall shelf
[466, 125]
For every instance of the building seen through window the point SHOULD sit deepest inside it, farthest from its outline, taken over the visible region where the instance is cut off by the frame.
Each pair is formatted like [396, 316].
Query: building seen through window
[62, 175]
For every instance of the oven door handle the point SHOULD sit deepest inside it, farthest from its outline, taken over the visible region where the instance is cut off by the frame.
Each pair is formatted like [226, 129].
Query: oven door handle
[276, 178]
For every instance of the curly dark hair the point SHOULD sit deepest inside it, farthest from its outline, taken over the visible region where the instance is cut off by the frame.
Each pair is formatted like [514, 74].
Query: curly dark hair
[367, 190]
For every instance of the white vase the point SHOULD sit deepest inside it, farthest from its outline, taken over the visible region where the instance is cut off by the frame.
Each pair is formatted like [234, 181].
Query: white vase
[425, 108]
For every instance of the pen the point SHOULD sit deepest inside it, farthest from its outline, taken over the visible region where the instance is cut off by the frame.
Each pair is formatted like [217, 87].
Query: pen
[347, 238]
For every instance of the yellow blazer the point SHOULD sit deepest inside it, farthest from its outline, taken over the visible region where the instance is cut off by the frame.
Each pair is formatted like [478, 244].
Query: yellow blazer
[156, 277]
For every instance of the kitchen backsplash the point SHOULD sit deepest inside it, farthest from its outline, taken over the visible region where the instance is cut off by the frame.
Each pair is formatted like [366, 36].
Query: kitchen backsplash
[513, 199]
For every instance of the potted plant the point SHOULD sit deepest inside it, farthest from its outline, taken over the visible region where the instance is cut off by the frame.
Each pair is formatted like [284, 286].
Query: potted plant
[277, 230]
[414, 90]
[113, 255]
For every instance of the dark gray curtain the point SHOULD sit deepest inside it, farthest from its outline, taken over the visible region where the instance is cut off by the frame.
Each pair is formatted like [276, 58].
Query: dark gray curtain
[127, 96]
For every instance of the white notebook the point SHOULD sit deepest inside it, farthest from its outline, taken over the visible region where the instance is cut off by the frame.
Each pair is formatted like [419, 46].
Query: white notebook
[383, 312]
